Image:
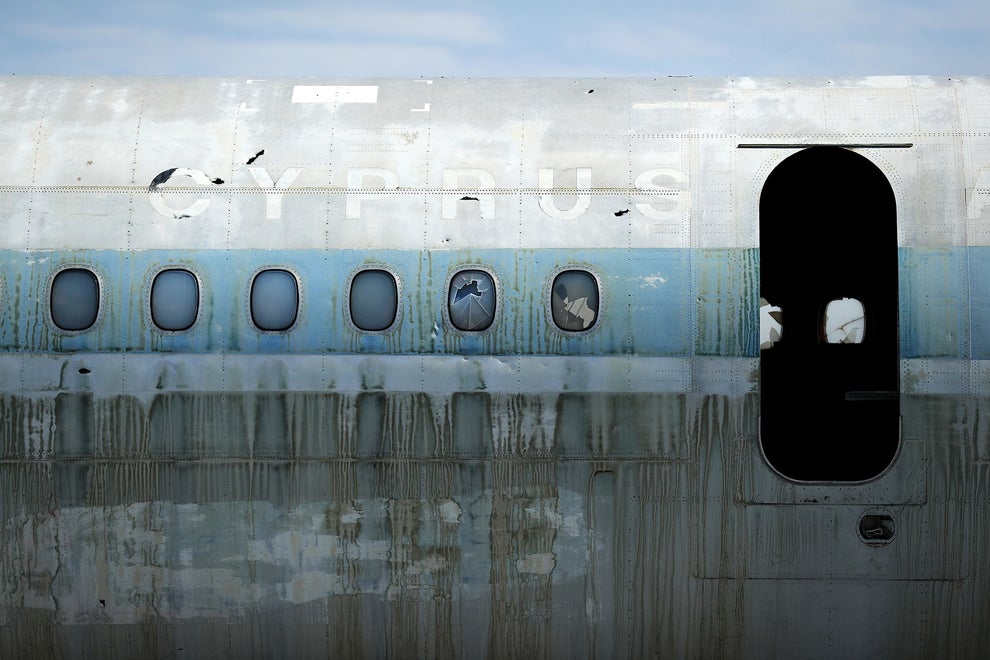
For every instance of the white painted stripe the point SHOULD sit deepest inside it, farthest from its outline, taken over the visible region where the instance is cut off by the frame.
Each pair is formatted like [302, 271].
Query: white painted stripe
[331, 94]
[677, 105]
[301, 217]
[439, 374]
[144, 374]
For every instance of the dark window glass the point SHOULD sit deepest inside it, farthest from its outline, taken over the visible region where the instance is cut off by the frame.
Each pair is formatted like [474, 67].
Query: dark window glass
[274, 300]
[471, 300]
[75, 299]
[374, 300]
[174, 299]
[574, 300]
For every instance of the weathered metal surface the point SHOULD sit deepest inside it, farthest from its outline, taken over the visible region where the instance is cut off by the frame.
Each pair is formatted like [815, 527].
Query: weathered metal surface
[431, 491]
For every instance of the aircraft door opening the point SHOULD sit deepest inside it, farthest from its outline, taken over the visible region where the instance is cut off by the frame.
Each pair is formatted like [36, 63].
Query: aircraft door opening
[829, 359]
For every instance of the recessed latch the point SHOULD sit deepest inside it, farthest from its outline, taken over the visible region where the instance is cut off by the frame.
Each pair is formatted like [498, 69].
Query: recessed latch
[876, 528]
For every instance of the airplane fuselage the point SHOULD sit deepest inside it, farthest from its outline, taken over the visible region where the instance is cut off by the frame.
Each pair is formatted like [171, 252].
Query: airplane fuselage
[495, 368]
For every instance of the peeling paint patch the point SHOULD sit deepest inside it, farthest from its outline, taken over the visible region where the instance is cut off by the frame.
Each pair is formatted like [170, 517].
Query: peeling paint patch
[451, 512]
[350, 516]
[310, 586]
[652, 281]
[541, 563]
[157, 199]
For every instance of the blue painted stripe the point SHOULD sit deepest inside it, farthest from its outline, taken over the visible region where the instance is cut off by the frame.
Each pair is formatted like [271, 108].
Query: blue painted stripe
[939, 290]
[655, 302]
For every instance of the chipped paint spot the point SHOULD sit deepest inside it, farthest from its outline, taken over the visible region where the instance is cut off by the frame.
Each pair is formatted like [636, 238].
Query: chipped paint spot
[652, 281]
[157, 199]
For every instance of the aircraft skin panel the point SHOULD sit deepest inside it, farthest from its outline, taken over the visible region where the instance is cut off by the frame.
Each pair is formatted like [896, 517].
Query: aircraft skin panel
[418, 490]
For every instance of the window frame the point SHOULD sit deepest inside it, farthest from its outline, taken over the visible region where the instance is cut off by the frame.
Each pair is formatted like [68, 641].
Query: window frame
[100, 297]
[299, 298]
[496, 314]
[398, 298]
[823, 318]
[548, 299]
[151, 288]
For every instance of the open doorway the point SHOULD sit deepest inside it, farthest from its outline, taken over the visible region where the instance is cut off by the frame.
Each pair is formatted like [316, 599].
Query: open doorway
[829, 362]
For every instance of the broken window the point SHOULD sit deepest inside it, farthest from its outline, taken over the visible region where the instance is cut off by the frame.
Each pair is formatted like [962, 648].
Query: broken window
[174, 300]
[771, 324]
[75, 299]
[471, 300]
[374, 300]
[274, 300]
[574, 300]
[844, 322]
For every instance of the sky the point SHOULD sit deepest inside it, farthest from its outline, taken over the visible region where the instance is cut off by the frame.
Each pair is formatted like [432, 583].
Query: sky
[470, 38]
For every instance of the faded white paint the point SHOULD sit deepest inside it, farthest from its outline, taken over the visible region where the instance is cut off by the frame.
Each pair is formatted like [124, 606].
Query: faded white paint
[654, 162]
[334, 94]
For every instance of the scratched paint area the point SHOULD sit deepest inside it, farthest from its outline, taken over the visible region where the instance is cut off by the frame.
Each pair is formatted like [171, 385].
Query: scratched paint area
[371, 425]
[172, 539]
[489, 554]
[180, 561]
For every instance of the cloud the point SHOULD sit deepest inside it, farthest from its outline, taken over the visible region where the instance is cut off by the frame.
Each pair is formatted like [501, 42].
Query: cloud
[797, 38]
[120, 51]
[510, 38]
[294, 41]
[381, 23]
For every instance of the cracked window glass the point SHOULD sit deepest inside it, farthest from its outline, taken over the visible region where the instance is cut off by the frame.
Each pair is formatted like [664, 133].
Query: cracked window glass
[174, 300]
[471, 300]
[75, 299]
[274, 300]
[574, 300]
[771, 324]
[845, 321]
[374, 300]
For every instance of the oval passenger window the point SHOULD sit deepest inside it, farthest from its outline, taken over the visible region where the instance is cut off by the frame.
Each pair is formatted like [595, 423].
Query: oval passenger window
[845, 322]
[274, 300]
[374, 300]
[471, 300]
[574, 300]
[75, 299]
[174, 300]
